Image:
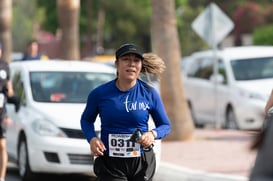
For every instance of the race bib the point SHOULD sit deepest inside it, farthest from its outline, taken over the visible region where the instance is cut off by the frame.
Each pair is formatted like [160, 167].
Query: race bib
[2, 100]
[120, 146]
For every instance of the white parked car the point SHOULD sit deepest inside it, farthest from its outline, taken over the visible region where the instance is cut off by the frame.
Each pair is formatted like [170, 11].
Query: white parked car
[235, 97]
[45, 134]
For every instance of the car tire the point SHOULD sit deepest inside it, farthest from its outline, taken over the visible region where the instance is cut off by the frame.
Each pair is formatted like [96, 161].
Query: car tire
[231, 120]
[23, 162]
[197, 125]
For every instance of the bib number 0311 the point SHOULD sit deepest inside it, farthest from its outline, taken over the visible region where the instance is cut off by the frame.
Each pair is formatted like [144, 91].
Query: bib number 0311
[120, 146]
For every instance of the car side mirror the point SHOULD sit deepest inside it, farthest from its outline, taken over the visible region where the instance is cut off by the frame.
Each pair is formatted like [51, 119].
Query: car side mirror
[219, 78]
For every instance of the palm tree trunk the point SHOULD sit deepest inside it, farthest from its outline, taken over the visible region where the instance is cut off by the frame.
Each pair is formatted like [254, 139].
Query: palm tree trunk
[5, 28]
[68, 14]
[165, 43]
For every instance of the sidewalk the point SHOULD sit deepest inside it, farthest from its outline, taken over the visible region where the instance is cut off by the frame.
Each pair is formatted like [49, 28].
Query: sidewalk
[217, 153]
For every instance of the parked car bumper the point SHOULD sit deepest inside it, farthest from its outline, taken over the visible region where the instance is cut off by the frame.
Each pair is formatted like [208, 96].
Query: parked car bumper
[56, 155]
[250, 115]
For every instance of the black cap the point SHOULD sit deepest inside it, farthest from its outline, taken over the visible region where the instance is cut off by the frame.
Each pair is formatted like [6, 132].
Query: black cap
[128, 48]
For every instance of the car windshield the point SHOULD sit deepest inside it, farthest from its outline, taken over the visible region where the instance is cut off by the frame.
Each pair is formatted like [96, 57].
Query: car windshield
[251, 69]
[65, 87]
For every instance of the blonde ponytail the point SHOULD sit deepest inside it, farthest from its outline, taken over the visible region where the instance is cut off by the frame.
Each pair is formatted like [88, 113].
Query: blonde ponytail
[152, 64]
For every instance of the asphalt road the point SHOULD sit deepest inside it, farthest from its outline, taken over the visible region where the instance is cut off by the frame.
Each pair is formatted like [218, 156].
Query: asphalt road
[13, 175]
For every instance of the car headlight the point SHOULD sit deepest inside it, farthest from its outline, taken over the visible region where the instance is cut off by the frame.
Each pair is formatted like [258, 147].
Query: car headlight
[46, 128]
[252, 95]
[257, 96]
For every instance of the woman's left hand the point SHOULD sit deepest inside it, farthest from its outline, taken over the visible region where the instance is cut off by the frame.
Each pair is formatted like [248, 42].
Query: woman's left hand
[147, 139]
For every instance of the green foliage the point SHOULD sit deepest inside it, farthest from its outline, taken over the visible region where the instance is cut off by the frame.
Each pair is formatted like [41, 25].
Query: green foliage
[263, 35]
[127, 23]
[189, 40]
[25, 18]
[181, 2]
[50, 23]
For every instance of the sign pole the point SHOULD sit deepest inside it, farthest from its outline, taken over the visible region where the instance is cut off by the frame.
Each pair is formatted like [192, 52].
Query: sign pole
[213, 26]
[215, 68]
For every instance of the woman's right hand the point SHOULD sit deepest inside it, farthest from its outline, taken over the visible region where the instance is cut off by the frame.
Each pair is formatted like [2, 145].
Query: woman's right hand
[97, 147]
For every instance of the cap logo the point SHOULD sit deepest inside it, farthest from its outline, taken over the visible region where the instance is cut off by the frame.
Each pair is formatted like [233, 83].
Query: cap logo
[132, 48]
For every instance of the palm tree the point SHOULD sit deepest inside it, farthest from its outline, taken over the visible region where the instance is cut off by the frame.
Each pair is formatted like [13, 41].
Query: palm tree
[5, 28]
[68, 15]
[165, 43]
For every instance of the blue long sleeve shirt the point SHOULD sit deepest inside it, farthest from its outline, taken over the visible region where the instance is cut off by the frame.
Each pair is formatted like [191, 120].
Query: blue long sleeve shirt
[122, 112]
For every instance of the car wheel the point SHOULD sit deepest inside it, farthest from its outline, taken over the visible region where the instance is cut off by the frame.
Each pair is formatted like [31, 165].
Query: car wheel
[197, 125]
[23, 163]
[231, 120]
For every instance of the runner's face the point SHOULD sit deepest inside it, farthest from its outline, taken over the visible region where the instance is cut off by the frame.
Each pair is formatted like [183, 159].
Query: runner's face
[129, 66]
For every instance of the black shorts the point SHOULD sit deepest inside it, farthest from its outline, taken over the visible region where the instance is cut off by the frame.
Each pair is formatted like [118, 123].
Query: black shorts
[126, 169]
[3, 128]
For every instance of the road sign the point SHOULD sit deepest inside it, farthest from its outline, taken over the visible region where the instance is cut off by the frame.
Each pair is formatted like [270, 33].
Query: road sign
[213, 25]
